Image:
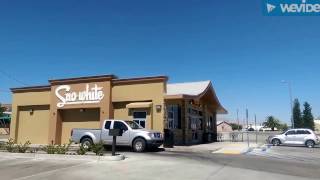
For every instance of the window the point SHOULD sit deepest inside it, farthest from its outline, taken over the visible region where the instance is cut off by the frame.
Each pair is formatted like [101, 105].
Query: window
[292, 132]
[119, 125]
[133, 125]
[174, 116]
[107, 125]
[140, 118]
[199, 124]
[303, 132]
[210, 123]
[193, 123]
[194, 136]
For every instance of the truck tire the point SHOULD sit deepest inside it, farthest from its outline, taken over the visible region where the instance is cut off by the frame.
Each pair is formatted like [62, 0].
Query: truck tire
[86, 143]
[139, 145]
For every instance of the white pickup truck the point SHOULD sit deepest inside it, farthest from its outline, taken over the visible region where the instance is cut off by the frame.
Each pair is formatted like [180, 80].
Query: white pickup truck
[133, 135]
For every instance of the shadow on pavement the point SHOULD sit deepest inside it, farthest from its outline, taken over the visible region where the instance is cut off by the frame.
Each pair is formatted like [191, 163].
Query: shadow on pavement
[108, 148]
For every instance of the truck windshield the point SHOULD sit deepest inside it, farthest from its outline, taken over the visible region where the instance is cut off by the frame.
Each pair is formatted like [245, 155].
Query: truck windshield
[134, 125]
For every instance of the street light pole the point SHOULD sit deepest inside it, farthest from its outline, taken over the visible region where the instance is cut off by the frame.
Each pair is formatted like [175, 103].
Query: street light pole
[238, 119]
[291, 101]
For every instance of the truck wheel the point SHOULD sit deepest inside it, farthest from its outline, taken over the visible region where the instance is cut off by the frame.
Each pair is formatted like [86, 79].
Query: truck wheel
[139, 145]
[86, 143]
[310, 144]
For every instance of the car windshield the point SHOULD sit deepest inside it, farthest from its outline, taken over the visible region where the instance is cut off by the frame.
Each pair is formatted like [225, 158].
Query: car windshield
[134, 125]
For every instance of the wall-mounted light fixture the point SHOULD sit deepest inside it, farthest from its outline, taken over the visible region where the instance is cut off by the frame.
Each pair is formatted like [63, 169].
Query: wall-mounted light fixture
[158, 108]
[31, 111]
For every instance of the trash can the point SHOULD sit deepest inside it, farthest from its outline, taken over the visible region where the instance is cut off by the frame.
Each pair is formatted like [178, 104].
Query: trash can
[214, 137]
[168, 138]
[205, 137]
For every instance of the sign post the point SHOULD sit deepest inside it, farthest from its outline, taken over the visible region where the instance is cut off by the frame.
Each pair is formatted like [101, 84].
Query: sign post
[114, 133]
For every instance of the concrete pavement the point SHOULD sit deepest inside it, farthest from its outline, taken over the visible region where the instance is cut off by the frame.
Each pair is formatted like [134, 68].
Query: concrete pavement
[217, 147]
[159, 165]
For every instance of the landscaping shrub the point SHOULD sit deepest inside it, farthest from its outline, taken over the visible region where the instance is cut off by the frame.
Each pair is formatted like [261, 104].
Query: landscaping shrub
[22, 148]
[10, 147]
[50, 149]
[57, 149]
[2, 146]
[82, 150]
[98, 148]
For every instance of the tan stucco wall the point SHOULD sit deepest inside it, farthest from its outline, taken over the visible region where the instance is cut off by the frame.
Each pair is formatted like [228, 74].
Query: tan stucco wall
[153, 92]
[56, 132]
[123, 113]
[26, 99]
[73, 118]
[33, 126]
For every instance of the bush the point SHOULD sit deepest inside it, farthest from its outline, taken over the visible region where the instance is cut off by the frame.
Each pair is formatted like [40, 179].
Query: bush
[10, 145]
[50, 149]
[82, 150]
[57, 149]
[98, 148]
[62, 149]
[22, 148]
[2, 146]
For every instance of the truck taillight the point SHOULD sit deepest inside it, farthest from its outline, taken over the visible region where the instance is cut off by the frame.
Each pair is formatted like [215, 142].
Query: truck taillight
[71, 132]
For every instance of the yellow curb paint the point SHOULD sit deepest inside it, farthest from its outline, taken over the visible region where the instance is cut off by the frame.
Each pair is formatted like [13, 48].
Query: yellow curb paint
[231, 152]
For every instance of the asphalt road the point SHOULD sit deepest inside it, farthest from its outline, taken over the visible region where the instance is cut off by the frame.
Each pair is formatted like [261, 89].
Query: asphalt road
[167, 165]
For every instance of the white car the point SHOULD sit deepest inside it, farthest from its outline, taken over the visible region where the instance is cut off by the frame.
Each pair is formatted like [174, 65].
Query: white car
[295, 137]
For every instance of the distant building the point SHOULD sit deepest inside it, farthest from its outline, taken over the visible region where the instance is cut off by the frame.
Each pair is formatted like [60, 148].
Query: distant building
[317, 124]
[7, 107]
[5, 119]
[223, 126]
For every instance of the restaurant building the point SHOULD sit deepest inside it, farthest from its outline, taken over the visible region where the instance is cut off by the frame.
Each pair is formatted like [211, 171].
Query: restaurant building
[47, 114]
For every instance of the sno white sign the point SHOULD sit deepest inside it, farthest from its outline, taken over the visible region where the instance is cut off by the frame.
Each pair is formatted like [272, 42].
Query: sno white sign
[89, 96]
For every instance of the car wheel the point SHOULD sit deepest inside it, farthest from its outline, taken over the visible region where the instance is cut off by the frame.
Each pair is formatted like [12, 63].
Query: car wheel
[139, 145]
[276, 142]
[86, 143]
[310, 144]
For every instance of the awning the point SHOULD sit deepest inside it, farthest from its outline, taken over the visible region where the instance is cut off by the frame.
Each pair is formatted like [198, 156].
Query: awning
[139, 105]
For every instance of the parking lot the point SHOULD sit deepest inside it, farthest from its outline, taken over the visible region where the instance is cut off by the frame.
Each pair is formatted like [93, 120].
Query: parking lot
[295, 153]
[172, 165]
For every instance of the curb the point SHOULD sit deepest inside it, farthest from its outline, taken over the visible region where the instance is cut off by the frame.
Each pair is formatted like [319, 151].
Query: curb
[118, 157]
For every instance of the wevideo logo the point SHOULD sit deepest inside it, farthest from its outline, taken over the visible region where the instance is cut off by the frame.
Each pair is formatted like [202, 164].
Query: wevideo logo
[291, 7]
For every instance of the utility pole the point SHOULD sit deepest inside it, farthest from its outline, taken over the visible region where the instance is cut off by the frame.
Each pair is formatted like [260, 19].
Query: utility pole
[255, 125]
[238, 119]
[291, 102]
[247, 119]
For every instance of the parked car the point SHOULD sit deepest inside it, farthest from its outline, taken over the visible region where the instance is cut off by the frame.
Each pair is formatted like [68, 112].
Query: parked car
[295, 137]
[133, 135]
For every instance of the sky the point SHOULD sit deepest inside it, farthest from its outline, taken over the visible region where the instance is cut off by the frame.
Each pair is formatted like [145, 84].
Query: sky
[244, 53]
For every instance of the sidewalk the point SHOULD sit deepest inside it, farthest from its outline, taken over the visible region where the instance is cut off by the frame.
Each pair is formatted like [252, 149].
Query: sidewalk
[216, 148]
[106, 157]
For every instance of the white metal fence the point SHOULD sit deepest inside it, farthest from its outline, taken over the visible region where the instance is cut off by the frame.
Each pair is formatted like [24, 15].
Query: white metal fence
[241, 136]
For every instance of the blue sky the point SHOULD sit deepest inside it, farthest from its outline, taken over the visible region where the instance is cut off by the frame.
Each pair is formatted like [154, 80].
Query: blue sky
[243, 52]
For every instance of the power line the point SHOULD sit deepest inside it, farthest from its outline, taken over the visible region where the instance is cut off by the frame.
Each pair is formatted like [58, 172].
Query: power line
[12, 78]
[5, 91]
